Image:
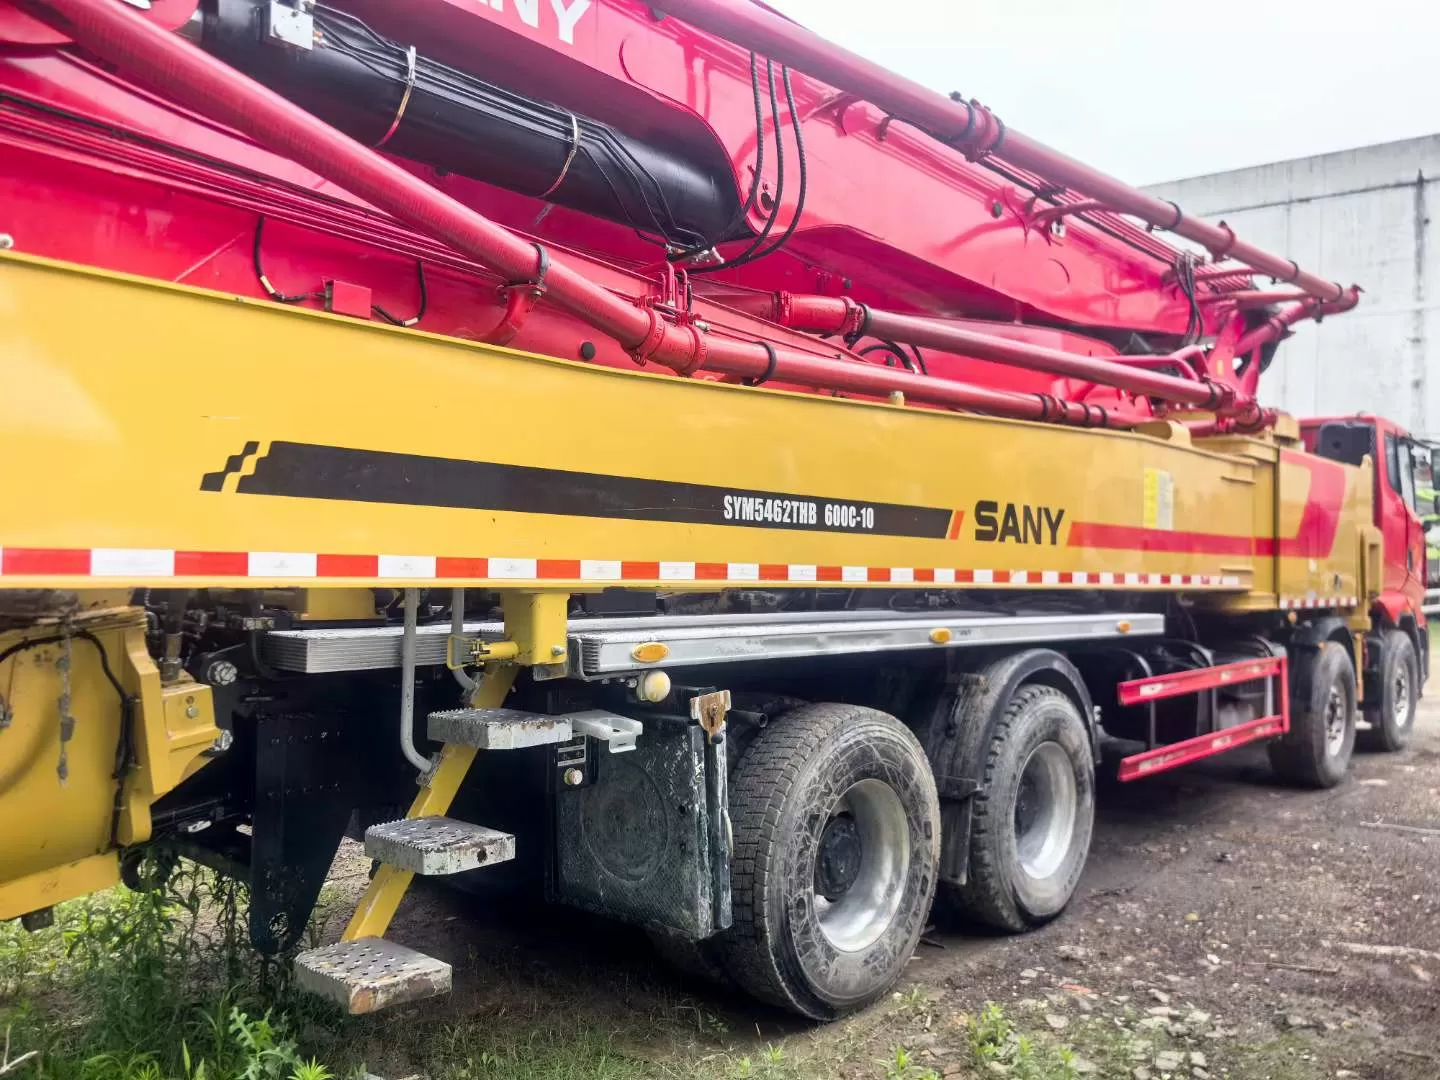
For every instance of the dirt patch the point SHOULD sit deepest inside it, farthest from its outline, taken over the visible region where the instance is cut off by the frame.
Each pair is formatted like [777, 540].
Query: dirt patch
[1225, 928]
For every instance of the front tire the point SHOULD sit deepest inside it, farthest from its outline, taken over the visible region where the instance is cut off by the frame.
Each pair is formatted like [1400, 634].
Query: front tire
[1316, 751]
[1392, 719]
[836, 852]
[1033, 818]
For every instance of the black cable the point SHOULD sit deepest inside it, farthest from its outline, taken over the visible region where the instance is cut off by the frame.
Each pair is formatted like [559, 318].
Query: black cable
[124, 752]
[774, 215]
[1185, 279]
[419, 311]
[803, 168]
[896, 353]
[739, 217]
[270, 290]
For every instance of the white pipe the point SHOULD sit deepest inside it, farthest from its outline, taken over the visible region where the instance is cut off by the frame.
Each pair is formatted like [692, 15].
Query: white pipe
[407, 683]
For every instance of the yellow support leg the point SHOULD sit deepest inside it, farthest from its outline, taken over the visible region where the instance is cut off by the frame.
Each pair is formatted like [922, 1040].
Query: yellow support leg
[382, 898]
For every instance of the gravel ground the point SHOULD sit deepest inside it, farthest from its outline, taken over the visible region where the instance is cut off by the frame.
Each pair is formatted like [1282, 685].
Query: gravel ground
[1226, 927]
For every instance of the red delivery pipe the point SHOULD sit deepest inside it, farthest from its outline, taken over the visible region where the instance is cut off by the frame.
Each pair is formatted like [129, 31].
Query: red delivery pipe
[122, 36]
[839, 314]
[1276, 326]
[970, 128]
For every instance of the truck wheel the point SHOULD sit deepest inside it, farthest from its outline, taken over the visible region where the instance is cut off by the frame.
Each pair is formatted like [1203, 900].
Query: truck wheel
[1392, 719]
[836, 850]
[1316, 752]
[1033, 816]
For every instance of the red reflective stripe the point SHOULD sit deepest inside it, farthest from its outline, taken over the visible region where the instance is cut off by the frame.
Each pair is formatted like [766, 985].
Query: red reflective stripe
[557, 569]
[347, 566]
[451, 567]
[829, 573]
[774, 572]
[67, 561]
[711, 571]
[640, 571]
[211, 564]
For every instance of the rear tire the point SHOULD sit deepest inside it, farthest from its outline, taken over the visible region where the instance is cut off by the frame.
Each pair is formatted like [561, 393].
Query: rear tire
[1034, 815]
[1392, 719]
[836, 850]
[1316, 751]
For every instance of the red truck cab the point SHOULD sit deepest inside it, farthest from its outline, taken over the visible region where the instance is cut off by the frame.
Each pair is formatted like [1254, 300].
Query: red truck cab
[1404, 507]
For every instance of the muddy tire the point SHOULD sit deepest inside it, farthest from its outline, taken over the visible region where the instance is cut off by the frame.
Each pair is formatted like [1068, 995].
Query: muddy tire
[1316, 751]
[1033, 816]
[836, 847]
[1392, 718]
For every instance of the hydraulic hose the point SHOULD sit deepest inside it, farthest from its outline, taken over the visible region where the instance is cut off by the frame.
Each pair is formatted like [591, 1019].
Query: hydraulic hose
[971, 128]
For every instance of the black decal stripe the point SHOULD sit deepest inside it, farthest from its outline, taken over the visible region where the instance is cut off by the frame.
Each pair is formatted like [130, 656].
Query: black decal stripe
[215, 481]
[308, 471]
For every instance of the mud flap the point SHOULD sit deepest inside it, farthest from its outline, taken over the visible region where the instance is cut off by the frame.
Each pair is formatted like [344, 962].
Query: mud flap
[646, 838]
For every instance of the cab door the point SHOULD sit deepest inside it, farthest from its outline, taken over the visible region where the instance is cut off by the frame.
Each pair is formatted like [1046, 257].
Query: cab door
[1404, 516]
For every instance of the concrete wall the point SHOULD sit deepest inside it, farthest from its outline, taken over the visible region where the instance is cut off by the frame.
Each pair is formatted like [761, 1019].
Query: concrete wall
[1362, 216]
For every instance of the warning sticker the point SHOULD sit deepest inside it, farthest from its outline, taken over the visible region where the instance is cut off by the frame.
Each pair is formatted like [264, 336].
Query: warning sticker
[1159, 499]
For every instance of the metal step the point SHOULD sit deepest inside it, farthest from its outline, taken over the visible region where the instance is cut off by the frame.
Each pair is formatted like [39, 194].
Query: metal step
[370, 974]
[437, 845]
[498, 729]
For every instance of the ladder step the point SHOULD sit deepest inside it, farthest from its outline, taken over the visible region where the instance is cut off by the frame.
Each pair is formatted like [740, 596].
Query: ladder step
[498, 729]
[370, 974]
[437, 845]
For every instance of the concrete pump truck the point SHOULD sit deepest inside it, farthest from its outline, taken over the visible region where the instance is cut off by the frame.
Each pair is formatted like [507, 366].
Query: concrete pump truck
[640, 448]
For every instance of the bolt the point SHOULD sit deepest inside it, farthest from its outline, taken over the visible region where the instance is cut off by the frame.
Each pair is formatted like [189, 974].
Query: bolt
[574, 777]
[223, 741]
[557, 650]
[6, 241]
[997, 208]
[191, 709]
[221, 673]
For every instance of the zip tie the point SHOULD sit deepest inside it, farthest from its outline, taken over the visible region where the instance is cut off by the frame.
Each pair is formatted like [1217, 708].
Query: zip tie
[569, 158]
[405, 98]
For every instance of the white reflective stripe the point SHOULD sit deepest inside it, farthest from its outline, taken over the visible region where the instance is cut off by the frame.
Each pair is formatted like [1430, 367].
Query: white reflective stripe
[132, 562]
[1229, 581]
[1156, 579]
[984, 577]
[281, 564]
[513, 570]
[1132, 579]
[1107, 578]
[1080, 577]
[854, 573]
[800, 572]
[1050, 577]
[945, 576]
[599, 569]
[1019, 577]
[742, 571]
[677, 571]
[407, 566]
[902, 573]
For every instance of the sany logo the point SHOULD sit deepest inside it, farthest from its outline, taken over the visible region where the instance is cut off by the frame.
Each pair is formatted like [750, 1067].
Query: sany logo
[567, 14]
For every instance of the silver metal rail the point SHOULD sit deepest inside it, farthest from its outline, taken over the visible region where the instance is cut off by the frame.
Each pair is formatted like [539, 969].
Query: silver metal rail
[607, 647]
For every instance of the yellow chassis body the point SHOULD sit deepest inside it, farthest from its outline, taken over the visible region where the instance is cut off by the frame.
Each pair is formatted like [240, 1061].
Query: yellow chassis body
[153, 435]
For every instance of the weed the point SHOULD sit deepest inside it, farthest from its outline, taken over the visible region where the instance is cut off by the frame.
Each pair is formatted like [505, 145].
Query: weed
[153, 985]
[994, 1040]
[901, 1066]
